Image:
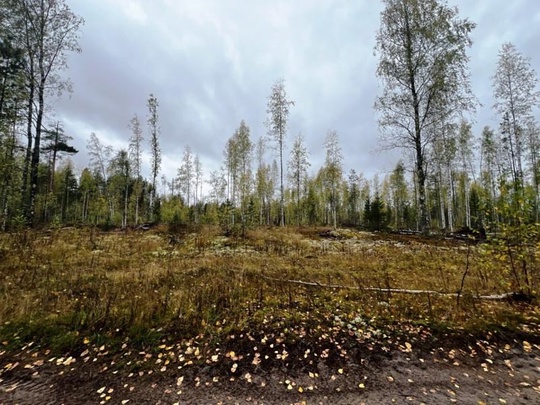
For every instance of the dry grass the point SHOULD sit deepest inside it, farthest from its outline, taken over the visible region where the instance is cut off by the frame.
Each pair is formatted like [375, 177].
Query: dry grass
[68, 284]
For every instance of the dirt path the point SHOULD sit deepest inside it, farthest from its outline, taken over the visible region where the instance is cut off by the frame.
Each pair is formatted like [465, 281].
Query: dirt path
[506, 376]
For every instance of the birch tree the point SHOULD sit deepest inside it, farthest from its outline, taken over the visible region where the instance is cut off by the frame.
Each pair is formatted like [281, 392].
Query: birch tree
[47, 31]
[298, 167]
[490, 168]
[333, 170]
[100, 157]
[244, 153]
[135, 157]
[278, 110]
[197, 184]
[423, 62]
[153, 126]
[514, 85]
[186, 175]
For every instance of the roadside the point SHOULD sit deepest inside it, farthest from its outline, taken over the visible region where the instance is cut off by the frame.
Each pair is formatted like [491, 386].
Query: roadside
[484, 373]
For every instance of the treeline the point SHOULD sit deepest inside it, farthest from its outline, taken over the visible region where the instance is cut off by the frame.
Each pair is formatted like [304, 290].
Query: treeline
[452, 177]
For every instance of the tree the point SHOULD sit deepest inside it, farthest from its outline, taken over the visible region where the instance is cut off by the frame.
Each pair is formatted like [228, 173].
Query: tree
[185, 175]
[278, 109]
[12, 95]
[197, 183]
[68, 188]
[515, 92]
[298, 166]
[375, 217]
[492, 170]
[243, 149]
[464, 144]
[333, 171]
[11, 77]
[398, 186]
[57, 143]
[354, 197]
[218, 186]
[264, 184]
[47, 31]
[231, 167]
[135, 157]
[423, 66]
[153, 126]
[533, 139]
[120, 170]
[100, 157]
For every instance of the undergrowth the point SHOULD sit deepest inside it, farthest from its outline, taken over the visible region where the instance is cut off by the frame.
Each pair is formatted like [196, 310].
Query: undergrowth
[63, 288]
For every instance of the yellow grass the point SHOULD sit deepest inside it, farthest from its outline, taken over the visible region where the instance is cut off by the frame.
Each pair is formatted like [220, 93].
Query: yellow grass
[88, 282]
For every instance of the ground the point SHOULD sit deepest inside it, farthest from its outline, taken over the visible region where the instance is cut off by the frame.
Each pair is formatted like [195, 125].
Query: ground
[294, 316]
[489, 373]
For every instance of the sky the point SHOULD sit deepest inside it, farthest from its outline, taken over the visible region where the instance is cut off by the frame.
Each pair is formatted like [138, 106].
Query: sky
[212, 63]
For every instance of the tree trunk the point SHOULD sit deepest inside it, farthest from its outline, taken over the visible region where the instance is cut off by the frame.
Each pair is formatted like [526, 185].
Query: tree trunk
[34, 164]
[281, 189]
[29, 135]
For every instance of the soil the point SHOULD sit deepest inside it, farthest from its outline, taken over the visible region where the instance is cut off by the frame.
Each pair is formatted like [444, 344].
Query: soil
[478, 374]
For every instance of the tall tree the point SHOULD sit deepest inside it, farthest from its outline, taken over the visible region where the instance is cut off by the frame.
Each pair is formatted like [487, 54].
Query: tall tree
[533, 140]
[244, 154]
[12, 96]
[515, 92]
[120, 170]
[100, 157]
[218, 186]
[47, 30]
[57, 143]
[135, 157]
[278, 109]
[423, 66]
[197, 184]
[153, 126]
[333, 171]
[262, 181]
[298, 166]
[186, 175]
[11, 75]
[231, 167]
[490, 168]
[354, 197]
[400, 197]
[464, 144]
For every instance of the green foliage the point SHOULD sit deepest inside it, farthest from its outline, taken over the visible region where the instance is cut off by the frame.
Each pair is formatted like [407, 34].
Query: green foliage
[375, 214]
[515, 245]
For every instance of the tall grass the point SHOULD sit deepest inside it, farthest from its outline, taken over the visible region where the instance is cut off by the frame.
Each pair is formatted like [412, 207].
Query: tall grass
[64, 285]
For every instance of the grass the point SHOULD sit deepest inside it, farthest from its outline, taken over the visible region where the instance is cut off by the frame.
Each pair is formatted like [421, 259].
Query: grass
[63, 287]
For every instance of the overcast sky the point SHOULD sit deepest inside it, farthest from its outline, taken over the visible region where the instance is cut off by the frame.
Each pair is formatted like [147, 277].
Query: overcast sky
[211, 63]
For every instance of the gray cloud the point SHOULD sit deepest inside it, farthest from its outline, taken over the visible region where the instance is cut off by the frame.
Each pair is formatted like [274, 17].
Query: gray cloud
[211, 63]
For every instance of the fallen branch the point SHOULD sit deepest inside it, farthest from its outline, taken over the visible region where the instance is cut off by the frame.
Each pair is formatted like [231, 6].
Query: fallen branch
[512, 296]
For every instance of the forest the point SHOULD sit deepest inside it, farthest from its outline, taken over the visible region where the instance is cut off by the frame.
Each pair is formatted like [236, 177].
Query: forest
[269, 276]
[449, 176]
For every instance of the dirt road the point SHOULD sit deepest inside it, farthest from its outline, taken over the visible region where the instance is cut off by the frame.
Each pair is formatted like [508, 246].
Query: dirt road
[476, 375]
